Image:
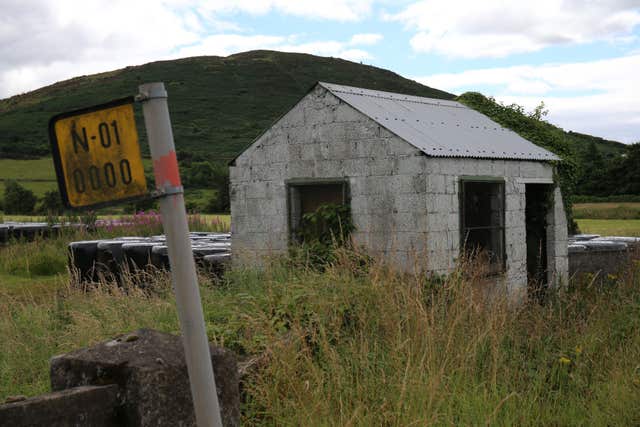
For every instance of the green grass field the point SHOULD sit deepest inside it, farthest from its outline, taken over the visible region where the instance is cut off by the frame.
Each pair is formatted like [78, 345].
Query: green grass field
[606, 210]
[608, 219]
[27, 169]
[357, 344]
[610, 227]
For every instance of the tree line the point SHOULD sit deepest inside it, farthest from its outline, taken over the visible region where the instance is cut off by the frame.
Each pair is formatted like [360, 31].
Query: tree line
[605, 175]
[196, 172]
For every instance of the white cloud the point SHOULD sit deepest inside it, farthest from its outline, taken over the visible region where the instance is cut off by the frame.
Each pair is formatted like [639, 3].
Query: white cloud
[496, 28]
[41, 42]
[44, 41]
[596, 97]
[365, 39]
[338, 10]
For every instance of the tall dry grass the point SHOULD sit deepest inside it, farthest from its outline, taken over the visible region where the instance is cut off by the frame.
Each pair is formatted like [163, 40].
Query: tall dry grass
[362, 344]
[382, 348]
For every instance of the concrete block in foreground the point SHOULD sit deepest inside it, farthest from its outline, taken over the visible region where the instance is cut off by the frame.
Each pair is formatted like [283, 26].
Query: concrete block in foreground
[150, 370]
[94, 406]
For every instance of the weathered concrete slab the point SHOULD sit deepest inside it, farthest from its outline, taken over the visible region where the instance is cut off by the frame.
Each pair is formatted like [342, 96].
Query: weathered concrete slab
[150, 370]
[95, 406]
[598, 261]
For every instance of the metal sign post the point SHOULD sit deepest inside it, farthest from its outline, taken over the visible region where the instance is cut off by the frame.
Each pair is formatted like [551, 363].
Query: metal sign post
[183, 270]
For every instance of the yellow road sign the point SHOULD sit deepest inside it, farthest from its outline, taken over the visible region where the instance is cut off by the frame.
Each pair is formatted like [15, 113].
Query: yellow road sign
[97, 155]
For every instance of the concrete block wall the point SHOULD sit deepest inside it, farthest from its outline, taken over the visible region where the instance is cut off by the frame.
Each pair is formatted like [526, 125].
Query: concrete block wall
[443, 217]
[557, 242]
[324, 138]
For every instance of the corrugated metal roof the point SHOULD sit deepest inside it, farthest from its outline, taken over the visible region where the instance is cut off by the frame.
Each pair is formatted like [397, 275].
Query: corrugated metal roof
[439, 127]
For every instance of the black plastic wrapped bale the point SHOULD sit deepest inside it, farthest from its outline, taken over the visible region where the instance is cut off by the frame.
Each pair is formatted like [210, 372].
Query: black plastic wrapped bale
[56, 229]
[4, 233]
[138, 255]
[216, 237]
[583, 237]
[160, 257]
[216, 264]
[199, 234]
[29, 231]
[604, 245]
[110, 258]
[82, 258]
[201, 251]
[221, 236]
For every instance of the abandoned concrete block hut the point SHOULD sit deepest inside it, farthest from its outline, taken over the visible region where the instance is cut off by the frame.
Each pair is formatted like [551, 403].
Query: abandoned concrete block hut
[423, 177]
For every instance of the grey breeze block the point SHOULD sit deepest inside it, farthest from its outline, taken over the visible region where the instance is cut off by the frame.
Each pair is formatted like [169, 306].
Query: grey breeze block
[150, 369]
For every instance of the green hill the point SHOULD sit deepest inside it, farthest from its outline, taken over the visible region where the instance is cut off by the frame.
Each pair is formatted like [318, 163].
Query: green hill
[606, 147]
[218, 104]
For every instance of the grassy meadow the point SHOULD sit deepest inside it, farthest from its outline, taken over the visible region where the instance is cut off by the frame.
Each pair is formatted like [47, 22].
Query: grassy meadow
[356, 344]
[606, 210]
[37, 175]
[610, 227]
[41, 169]
[608, 219]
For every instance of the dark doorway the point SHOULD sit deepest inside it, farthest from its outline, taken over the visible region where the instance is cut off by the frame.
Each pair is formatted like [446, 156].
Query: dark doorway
[539, 198]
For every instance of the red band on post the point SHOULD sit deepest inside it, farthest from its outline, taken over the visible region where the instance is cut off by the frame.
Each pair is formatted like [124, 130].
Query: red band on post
[166, 171]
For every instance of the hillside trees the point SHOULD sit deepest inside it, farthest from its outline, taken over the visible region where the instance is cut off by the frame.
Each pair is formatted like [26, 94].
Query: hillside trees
[18, 200]
[220, 203]
[51, 204]
[593, 176]
[209, 175]
[623, 175]
[606, 175]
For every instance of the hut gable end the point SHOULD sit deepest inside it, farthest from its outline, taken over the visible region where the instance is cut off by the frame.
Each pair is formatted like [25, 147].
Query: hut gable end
[321, 126]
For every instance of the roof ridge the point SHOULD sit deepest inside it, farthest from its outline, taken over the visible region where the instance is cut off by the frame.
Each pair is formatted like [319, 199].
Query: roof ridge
[374, 93]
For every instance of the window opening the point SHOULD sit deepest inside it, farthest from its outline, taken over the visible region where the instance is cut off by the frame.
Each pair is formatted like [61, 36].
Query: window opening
[482, 221]
[308, 197]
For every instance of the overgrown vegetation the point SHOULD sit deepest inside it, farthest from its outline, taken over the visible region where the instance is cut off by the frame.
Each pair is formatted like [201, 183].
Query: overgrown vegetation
[17, 199]
[320, 233]
[532, 127]
[360, 344]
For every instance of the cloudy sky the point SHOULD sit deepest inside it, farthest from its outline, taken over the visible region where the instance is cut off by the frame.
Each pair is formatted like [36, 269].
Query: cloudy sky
[581, 57]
